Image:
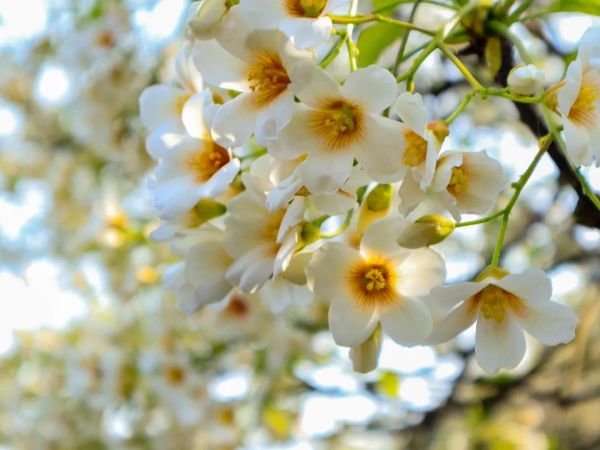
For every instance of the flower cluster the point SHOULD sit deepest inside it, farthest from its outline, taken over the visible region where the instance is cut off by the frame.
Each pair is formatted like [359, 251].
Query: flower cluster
[271, 172]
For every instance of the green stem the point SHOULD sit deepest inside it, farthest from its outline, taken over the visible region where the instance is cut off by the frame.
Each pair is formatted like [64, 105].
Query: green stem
[460, 66]
[505, 94]
[480, 221]
[519, 185]
[506, 7]
[349, 42]
[355, 20]
[461, 107]
[401, 2]
[517, 12]
[405, 34]
[503, 30]
[587, 189]
[341, 229]
[335, 50]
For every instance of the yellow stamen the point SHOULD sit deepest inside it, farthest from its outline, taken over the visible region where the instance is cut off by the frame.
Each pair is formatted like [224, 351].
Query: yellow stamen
[271, 230]
[268, 77]
[338, 123]
[493, 302]
[459, 182]
[372, 283]
[583, 109]
[305, 8]
[416, 149]
[374, 279]
[204, 164]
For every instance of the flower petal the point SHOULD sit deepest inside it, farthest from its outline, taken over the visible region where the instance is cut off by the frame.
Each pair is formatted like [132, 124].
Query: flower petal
[373, 88]
[219, 67]
[317, 84]
[235, 122]
[250, 272]
[499, 345]
[324, 172]
[423, 270]
[444, 298]
[294, 139]
[193, 114]
[326, 272]
[380, 239]
[550, 323]
[272, 119]
[349, 324]
[411, 110]
[408, 322]
[307, 32]
[410, 195]
[569, 92]
[455, 323]
[380, 150]
[158, 105]
[532, 285]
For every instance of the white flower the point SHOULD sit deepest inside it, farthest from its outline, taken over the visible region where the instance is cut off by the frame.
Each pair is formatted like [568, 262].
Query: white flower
[262, 242]
[464, 182]
[287, 183]
[579, 101]
[205, 16]
[526, 80]
[192, 166]
[161, 105]
[335, 124]
[257, 63]
[503, 306]
[303, 21]
[379, 283]
[422, 144]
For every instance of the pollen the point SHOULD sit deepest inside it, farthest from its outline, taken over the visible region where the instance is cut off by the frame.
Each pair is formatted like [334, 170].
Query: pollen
[205, 163]
[495, 302]
[459, 182]
[416, 149]
[268, 78]
[338, 123]
[305, 8]
[372, 283]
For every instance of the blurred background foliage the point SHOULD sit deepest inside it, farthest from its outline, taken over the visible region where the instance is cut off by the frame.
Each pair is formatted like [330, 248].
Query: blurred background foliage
[95, 355]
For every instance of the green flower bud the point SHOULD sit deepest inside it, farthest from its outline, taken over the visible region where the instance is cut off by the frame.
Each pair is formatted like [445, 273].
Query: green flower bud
[426, 231]
[375, 206]
[310, 233]
[207, 209]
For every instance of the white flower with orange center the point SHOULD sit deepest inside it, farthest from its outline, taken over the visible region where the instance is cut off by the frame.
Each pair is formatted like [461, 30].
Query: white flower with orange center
[380, 283]
[303, 21]
[262, 242]
[161, 105]
[503, 305]
[335, 124]
[579, 101]
[258, 64]
[192, 166]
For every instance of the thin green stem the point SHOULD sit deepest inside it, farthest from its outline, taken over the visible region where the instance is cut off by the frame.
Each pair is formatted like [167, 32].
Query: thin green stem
[506, 7]
[352, 50]
[525, 4]
[335, 50]
[405, 35]
[355, 20]
[480, 221]
[461, 107]
[341, 229]
[519, 185]
[255, 154]
[460, 66]
[515, 98]
[587, 189]
[402, 2]
[504, 31]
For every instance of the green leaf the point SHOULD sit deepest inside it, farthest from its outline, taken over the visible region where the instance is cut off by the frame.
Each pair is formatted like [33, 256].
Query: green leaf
[374, 40]
[581, 6]
[380, 4]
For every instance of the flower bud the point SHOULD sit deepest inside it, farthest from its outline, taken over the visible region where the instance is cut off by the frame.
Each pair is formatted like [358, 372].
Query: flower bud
[426, 231]
[525, 80]
[310, 233]
[205, 15]
[440, 130]
[207, 209]
[365, 356]
[375, 206]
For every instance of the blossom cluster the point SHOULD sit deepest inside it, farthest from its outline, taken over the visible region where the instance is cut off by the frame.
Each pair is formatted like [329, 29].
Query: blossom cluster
[272, 175]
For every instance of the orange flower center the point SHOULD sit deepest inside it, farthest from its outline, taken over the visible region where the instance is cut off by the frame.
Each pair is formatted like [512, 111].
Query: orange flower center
[372, 282]
[338, 123]
[416, 149]
[459, 182]
[268, 77]
[584, 107]
[305, 8]
[206, 163]
[493, 302]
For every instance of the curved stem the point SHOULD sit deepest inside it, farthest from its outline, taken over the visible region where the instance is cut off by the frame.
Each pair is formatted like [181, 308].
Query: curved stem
[341, 229]
[520, 9]
[460, 66]
[481, 221]
[335, 50]
[354, 20]
[401, 2]
[405, 34]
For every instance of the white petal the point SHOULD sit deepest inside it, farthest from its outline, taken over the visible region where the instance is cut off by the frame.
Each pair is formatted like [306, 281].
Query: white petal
[532, 285]
[589, 47]
[264, 14]
[411, 109]
[380, 239]
[294, 140]
[455, 323]
[235, 121]
[234, 33]
[408, 322]
[349, 324]
[307, 32]
[499, 345]
[373, 88]
[550, 323]
[444, 298]
[175, 197]
[283, 192]
[220, 67]
[324, 172]
[193, 115]
[293, 216]
[569, 92]
[285, 253]
[443, 171]
[319, 85]
[577, 139]
[430, 162]
[382, 146]
[158, 105]
[220, 181]
[327, 270]
[250, 272]
[273, 118]
[163, 138]
[410, 195]
[423, 270]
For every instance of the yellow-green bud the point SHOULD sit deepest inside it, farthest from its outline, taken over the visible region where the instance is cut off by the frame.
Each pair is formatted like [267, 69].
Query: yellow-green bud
[426, 231]
[365, 356]
[310, 233]
[207, 209]
[375, 206]
[439, 129]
